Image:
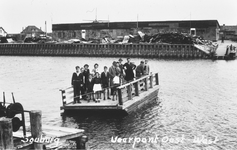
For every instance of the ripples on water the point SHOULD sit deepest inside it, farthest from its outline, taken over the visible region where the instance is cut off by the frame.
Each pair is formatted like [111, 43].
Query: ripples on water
[197, 97]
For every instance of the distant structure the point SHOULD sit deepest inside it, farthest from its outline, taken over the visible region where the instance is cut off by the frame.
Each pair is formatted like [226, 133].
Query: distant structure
[31, 31]
[229, 32]
[208, 29]
[3, 33]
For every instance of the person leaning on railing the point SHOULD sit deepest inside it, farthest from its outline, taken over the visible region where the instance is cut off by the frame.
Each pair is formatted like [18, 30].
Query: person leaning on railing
[113, 71]
[140, 70]
[146, 68]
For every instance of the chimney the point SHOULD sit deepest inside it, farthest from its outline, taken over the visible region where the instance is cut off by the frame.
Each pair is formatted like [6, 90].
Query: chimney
[223, 26]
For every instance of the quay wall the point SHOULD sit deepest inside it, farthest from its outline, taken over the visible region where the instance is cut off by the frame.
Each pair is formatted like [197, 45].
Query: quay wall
[105, 50]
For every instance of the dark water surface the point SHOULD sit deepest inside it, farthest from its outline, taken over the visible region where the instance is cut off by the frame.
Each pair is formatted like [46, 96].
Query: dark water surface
[197, 98]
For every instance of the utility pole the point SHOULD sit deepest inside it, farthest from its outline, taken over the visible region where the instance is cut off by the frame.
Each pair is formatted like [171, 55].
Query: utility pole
[108, 20]
[190, 24]
[96, 14]
[45, 28]
[137, 21]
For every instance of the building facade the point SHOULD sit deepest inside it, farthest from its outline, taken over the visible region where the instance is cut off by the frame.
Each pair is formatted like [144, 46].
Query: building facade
[228, 32]
[31, 31]
[208, 29]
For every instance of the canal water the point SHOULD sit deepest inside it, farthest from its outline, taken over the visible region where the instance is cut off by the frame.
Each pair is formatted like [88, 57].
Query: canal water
[198, 99]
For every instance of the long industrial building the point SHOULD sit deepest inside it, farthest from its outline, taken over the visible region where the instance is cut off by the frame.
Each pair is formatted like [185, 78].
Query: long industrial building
[208, 29]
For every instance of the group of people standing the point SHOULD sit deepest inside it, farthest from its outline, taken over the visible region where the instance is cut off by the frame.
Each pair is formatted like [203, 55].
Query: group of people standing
[88, 85]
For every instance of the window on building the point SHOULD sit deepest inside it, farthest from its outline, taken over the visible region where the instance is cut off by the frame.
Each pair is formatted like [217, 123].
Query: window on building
[59, 34]
[74, 34]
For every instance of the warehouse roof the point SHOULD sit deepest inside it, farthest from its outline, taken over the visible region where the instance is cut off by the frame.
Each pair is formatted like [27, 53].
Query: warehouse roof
[140, 24]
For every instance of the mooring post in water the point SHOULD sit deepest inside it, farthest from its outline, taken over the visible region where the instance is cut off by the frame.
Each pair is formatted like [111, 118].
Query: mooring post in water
[6, 137]
[81, 142]
[36, 127]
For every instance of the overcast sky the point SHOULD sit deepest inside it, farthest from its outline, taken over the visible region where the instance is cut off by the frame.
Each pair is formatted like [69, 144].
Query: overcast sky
[15, 14]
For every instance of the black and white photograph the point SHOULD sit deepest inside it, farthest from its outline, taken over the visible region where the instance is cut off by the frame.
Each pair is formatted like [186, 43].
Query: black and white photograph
[118, 74]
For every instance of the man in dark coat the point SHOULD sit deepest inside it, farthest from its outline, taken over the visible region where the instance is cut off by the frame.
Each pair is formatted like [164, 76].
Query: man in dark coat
[76, 83]
[105, 76]
[86, 74]
[129, 67]
[140, 70]
[121, 67]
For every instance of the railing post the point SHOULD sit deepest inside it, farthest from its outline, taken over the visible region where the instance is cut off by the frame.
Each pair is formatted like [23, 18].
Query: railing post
[36, 127]
[157, 79]
[129, 92]
[151, 81]
[120, 97]
[146, 84]
[137, 88]
[6, 137]
[63, 97]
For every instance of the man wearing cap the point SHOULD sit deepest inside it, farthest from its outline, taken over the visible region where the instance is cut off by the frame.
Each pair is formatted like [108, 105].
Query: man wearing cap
[129, 67]
[140, 70]
[121, 66]
[76, 83]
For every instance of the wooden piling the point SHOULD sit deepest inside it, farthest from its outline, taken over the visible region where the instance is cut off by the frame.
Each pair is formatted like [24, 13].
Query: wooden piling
[36, 127]
[81, 142]
[6, 137]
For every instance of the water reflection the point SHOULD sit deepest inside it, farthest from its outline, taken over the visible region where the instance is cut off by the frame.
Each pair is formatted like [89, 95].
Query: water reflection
[197, 97]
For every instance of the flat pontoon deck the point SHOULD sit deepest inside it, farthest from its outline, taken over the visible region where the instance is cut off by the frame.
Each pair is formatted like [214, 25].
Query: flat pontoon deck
[129, 96]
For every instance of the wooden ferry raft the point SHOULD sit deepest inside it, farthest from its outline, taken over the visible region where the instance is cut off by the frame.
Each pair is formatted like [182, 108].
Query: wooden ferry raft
[129, 97]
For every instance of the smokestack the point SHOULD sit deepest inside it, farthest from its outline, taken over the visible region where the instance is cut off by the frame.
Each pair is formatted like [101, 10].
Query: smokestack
[45, 28]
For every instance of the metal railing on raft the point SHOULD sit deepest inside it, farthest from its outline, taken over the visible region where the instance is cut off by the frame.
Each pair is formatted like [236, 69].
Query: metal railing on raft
[122, 93]
[127, 91]
[104, 94]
